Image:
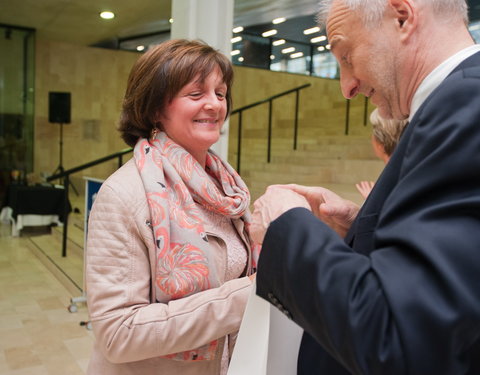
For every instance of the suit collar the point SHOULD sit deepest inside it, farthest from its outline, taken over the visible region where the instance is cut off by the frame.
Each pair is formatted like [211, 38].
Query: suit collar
[438, 75]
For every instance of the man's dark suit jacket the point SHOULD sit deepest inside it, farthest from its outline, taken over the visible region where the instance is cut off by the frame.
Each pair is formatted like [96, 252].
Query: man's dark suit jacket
[401, 293]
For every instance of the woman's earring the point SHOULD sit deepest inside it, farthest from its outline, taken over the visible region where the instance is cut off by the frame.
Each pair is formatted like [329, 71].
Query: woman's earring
[153, 134]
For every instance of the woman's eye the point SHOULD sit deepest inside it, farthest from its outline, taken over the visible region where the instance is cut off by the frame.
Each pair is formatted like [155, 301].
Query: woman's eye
[220, 95]
[195, 94]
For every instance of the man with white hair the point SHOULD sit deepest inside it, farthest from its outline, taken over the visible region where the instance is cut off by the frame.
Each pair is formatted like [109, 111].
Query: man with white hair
[392, 287]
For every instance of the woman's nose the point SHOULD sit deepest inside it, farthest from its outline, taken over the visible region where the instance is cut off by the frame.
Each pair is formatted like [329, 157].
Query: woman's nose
[212, 102]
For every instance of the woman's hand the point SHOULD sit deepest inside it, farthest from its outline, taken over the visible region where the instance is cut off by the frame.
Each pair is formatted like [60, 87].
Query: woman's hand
[365, 187]
[274, 202]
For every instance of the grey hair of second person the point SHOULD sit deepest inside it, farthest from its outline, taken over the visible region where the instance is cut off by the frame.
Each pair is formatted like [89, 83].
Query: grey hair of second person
[373, 10]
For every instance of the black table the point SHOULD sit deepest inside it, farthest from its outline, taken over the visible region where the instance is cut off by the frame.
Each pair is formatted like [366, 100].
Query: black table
[34, 205]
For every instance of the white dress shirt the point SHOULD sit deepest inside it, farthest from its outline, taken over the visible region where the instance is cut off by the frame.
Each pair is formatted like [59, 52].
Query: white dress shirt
[437, 75]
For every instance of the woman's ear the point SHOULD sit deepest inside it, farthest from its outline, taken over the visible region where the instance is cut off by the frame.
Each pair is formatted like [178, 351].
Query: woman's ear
[405, 15]
[158, 119]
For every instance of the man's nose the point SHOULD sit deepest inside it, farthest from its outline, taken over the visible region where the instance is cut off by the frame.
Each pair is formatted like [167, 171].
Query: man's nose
[349, 84]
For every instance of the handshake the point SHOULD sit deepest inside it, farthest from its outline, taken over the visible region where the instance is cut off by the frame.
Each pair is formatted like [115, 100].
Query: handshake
[336, 212]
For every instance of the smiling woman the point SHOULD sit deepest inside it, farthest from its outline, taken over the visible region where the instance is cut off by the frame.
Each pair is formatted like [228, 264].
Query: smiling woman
[194, 117]
[169, 255]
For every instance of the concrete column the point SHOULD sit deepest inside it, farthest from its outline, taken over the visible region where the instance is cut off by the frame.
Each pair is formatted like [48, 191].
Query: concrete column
[212, 22]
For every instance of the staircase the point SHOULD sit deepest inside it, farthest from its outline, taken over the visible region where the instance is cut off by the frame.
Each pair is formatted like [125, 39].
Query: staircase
[325, 156]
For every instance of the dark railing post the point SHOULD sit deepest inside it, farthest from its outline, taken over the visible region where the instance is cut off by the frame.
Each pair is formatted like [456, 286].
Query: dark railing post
[310, 65]
[270, 45]
[365, 112]
[270, 102]
[66, 212]
[120, 160]
[347, 117]
[295, 131]
[239, 141]
[269, 146]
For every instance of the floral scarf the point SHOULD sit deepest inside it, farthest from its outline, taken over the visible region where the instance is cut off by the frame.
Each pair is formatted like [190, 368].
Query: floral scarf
[174, 183]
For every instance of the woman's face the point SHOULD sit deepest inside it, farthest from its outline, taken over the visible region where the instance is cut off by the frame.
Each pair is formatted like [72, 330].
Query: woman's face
[194, 117]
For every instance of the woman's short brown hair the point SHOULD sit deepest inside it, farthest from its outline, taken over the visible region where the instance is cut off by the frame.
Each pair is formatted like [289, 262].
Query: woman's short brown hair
[159, 75]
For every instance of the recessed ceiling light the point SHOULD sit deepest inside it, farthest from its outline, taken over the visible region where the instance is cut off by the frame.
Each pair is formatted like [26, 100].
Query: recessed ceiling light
[318, 39]
[296, 54]
[236, 39]
[279, 42]
[235, 52]
[268, 33]
[140, 48]
[107, 15]
[312, 30]
[170, 20]
[238, 29]
[276, 21]
[288, 50]
[241, 59]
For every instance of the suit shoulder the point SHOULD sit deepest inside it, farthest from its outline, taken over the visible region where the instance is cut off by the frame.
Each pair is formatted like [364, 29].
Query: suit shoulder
[472, 72]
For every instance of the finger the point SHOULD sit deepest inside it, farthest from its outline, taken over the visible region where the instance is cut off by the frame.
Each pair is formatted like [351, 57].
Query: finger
[299, 189]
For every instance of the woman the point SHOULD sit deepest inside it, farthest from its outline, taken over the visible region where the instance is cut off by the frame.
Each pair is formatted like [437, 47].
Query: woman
[385, 136]
[169, 260]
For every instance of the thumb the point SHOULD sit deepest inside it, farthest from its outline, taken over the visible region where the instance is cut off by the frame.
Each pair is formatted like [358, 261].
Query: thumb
[327, 210]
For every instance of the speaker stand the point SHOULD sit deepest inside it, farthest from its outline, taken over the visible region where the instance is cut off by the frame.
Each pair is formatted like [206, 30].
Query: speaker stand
[60, 168]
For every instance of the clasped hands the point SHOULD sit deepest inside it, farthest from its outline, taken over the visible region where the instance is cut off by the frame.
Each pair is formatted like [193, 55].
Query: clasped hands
[336, 212]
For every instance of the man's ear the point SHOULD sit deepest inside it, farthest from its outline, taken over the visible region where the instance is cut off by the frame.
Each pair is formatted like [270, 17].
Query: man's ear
[405, 15]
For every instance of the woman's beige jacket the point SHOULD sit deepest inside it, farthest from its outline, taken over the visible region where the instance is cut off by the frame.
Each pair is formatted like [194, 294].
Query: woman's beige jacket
[132, 332]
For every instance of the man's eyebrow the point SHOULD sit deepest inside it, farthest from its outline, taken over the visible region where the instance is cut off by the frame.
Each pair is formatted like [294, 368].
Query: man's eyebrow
[333, 43]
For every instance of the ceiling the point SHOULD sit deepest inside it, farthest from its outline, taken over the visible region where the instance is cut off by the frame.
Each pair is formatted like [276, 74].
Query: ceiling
[77, 21]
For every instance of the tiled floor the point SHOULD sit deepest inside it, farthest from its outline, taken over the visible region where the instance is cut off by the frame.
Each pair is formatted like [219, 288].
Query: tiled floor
[38, 336]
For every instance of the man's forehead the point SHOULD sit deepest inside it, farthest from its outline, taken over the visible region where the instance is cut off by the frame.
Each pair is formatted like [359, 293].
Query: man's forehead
[336, 17]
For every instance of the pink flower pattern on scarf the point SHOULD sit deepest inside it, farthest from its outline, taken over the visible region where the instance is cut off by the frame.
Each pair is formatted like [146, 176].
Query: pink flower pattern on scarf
[183, 267]
[175, 183]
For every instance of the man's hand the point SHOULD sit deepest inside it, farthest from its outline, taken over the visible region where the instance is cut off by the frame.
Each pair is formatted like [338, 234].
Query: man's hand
[336, 212]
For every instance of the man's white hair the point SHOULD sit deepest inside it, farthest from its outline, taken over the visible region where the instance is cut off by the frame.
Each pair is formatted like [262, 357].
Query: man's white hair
[373, 10]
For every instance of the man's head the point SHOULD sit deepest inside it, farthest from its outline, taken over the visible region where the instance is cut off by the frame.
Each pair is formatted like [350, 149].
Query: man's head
[372, 11]
[385, 48]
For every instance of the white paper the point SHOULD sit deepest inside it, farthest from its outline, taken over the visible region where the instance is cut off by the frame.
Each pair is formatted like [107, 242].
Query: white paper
[250, 353]
[283, 344]
[267, 343]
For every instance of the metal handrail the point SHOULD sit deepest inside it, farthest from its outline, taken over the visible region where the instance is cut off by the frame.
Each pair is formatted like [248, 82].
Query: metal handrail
[270, 109]
[66, 174]
[70, 171]
[66, 184]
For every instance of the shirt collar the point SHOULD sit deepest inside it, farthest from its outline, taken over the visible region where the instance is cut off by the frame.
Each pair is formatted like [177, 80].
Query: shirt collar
[437, 75]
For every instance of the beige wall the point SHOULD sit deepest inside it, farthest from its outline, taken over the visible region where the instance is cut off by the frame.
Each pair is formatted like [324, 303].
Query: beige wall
[322, 110]
[97, 79]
